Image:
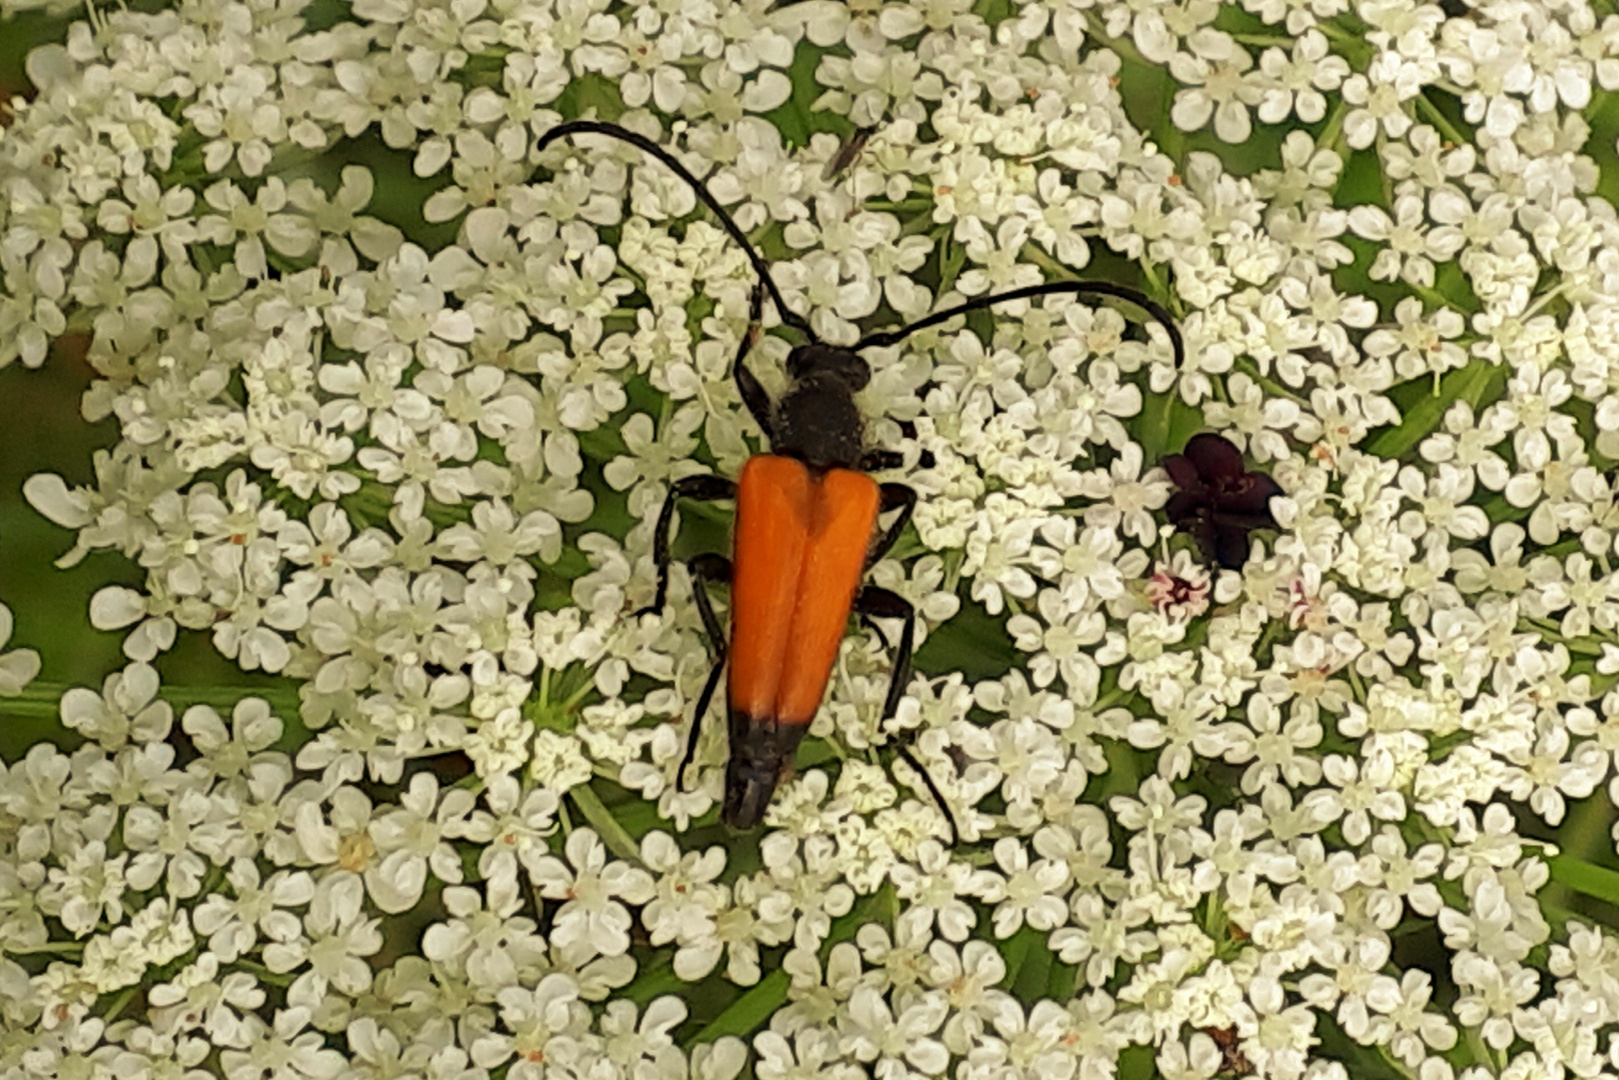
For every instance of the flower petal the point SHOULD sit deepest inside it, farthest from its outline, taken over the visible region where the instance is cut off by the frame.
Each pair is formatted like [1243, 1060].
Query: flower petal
[1215, 457]
[1250, 497]
[1230, 547]
[1183, 506]
[1183, 472]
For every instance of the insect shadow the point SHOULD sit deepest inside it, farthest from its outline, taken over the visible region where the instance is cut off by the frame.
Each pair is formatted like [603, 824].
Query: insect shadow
[806, 528]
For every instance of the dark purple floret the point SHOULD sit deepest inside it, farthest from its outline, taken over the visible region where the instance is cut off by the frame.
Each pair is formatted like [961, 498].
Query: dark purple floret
[1219, 501]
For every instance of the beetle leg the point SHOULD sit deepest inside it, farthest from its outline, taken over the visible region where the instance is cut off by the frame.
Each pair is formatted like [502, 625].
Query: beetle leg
[873, 600]
[702, 488]
[747, 384]
[705, 569]
[878, 460]
[909, 758]
[870, 624]
[894, 496]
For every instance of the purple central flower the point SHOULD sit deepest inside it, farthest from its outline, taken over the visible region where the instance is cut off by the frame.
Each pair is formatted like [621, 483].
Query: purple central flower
[1219, 501]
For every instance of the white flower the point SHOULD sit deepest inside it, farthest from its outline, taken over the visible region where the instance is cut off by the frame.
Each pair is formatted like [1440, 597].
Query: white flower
[592, 920]
[687, 905]
[812, 1054]
[936, 885]
[233, 753]
[443, 453]
[1284, 1033]
[17, 667]
[1378, 97]
[413, 838]
[497, 536]
[1367, 792]
[540, 1022]
[331, 948]
[871, 1032]
[88, 888]
[1031, 892]
[1409, 1029]
[305, 1052]
[233, 925]
[490, 943]
[1299, 80]
[1273, 746]
[1216, 68]
[127, 710]
[1410, 250]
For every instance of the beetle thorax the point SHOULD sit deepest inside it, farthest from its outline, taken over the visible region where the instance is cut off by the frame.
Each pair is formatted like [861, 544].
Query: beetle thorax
[817, 420]
[818, 423]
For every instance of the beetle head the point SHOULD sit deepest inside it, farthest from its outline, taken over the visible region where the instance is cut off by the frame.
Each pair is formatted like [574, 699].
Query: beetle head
[835, 361]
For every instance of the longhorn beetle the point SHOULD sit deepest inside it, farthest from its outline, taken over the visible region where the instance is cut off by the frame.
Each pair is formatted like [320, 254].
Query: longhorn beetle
[805, 528]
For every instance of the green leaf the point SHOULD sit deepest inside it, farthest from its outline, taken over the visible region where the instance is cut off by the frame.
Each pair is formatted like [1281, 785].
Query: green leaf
[1361, 181]
[1586, 877]
[748, 1013]
[654, 980]
[44, 699]
[1603, 116]
[1124, 770]
[637, 815]
[796, 118]
[1064, 978]
[591, 94]
[1015, 950]
[1136, 1063]
[1035, 974]
[1165, 423]
[973, 642]
[1497, 509]
[614, 835]
[1474, 383]
[951, 258]
[751, 1011]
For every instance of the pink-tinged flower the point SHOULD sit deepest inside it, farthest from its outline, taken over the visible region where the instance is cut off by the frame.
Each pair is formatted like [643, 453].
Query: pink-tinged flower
[1218, 502]
[1179, 588]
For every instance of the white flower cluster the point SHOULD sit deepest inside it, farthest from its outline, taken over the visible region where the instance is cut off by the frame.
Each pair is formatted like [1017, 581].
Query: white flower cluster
[398, 398]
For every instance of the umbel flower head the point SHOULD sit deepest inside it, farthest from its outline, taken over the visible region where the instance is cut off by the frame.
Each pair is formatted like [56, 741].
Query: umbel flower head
[1219, 502]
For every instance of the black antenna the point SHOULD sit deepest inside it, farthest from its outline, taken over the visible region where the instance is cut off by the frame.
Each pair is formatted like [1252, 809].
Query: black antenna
[706, 197]
[1082, 288]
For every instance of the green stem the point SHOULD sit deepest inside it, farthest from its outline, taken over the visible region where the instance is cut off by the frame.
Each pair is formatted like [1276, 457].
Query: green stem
[120, 1003]
[1267, 637]
[43, 700]
[572, 701]
[1440, 121]
[1108, 700]
[1334, 32]
[59, 948]
[1550, 631]
[1483, 1054]
[1264, 40]
[1155, 288]
[1395, 1063]
[1356, 684]
[1436, 298]
[1265, 382]
[264, 974]
[1033, 253]
[1384, 182]
[617, 838]
[1332, 136]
